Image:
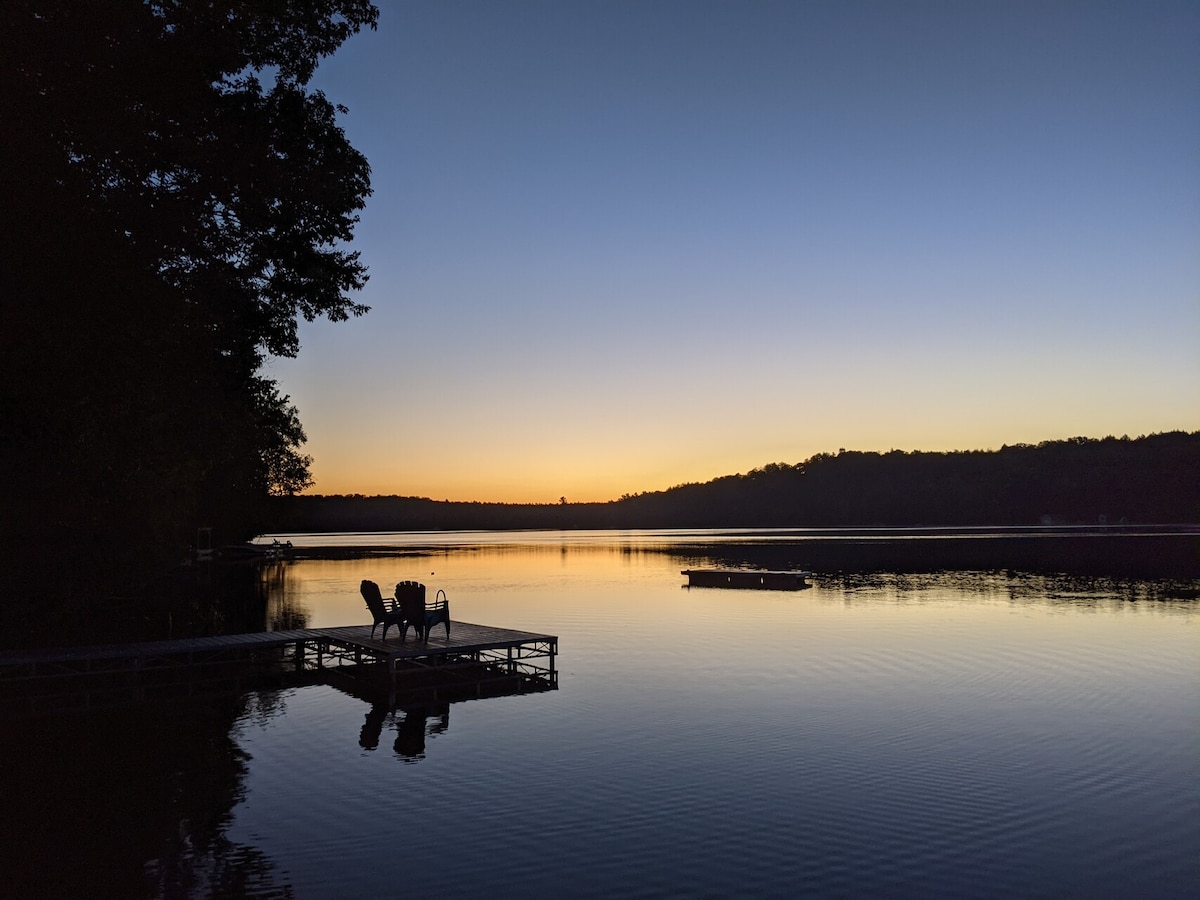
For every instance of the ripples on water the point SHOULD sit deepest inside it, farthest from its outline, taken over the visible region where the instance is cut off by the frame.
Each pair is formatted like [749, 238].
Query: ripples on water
[964, 734]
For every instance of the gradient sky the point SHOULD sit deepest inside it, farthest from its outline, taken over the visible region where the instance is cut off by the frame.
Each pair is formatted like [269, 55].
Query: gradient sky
[618, 246]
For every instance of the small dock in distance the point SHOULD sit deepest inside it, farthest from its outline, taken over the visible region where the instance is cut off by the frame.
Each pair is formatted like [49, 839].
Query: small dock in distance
[477, 658]
[763, 579]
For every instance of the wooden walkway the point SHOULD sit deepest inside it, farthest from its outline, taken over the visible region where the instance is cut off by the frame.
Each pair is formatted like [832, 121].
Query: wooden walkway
[87, 676]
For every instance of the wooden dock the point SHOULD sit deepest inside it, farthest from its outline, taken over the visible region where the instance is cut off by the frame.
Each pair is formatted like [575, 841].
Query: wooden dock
[49, 680]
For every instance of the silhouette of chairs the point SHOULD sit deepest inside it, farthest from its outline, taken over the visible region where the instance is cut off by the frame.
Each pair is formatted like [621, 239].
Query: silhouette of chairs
[383, 613]
[410, 597]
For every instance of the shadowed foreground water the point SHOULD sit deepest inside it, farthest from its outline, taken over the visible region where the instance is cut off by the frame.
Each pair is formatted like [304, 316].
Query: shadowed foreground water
[944, 734]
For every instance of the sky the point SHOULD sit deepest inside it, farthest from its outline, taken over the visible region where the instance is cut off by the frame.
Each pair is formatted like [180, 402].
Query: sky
[620, 246]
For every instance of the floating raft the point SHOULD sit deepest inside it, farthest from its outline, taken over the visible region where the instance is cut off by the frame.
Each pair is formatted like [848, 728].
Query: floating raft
[766, 579]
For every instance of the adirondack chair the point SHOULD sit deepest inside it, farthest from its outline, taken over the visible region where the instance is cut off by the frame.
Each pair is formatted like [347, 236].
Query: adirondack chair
[383, 612]
[410, 596]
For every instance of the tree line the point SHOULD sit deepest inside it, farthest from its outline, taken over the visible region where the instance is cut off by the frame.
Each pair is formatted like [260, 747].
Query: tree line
[1150, 479]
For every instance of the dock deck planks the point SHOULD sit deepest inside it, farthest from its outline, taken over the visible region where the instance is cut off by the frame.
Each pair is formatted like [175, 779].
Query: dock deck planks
[32, 680]
[465, 637]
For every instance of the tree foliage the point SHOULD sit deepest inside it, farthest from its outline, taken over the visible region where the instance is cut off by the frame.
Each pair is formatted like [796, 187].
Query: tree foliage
[190, 126]
[176, 198]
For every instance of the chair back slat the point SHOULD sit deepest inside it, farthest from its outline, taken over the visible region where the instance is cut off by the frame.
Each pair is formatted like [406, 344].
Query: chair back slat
[410, 596]
[374, 599]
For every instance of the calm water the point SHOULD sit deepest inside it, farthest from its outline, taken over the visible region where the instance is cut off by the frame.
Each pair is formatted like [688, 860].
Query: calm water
[949, 734]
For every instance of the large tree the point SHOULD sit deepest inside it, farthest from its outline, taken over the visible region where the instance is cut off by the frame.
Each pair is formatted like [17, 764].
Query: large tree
[176, 197]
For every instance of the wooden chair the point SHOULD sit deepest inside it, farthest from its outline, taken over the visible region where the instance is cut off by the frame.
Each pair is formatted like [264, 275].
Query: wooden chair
[389, 616]
[410, 596]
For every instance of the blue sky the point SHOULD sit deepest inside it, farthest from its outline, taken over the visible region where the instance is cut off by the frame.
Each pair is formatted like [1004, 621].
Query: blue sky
[617, 246]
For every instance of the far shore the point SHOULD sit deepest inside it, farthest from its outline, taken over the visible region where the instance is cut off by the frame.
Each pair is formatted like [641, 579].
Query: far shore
[1141, 551]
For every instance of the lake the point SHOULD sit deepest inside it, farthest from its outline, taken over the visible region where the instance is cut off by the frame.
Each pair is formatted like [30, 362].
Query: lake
[887, 733]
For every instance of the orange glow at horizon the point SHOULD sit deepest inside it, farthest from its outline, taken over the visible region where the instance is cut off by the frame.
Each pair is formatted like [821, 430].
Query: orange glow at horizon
[710, 251]
[587, 474]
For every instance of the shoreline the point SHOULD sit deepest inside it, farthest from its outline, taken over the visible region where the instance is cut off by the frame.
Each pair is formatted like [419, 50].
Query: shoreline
[1123, 551]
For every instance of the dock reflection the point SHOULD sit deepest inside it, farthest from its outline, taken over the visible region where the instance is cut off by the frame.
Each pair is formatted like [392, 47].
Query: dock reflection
[420, 714]
[412, 727]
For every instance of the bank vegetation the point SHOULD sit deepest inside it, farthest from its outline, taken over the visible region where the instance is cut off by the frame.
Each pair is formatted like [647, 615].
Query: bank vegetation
[1081, 481]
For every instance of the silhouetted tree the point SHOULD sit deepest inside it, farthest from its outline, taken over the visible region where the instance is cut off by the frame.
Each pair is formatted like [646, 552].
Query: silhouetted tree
[176, 197]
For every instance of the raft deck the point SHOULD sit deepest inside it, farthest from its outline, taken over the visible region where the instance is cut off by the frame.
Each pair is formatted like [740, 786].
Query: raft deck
[769, 579]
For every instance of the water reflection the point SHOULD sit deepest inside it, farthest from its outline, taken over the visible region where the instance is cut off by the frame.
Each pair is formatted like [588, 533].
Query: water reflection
[285, 609]
[980, 732]
[1079, 592]
[970, 733]
[132, 803]
[412, 727]
[1144, 551]
[1113, 556]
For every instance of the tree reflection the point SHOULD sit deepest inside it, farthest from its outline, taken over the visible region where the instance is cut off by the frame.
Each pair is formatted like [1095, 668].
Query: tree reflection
[1081, 554]
[129, 803]
[284, 611]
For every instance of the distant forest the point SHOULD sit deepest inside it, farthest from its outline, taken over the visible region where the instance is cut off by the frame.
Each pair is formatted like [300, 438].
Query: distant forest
[1080, 481]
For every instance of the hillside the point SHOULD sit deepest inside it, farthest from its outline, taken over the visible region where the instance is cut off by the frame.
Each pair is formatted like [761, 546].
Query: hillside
[1152, 479]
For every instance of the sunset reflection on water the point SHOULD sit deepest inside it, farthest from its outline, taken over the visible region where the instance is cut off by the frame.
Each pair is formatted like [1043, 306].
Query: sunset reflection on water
[902, 733]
